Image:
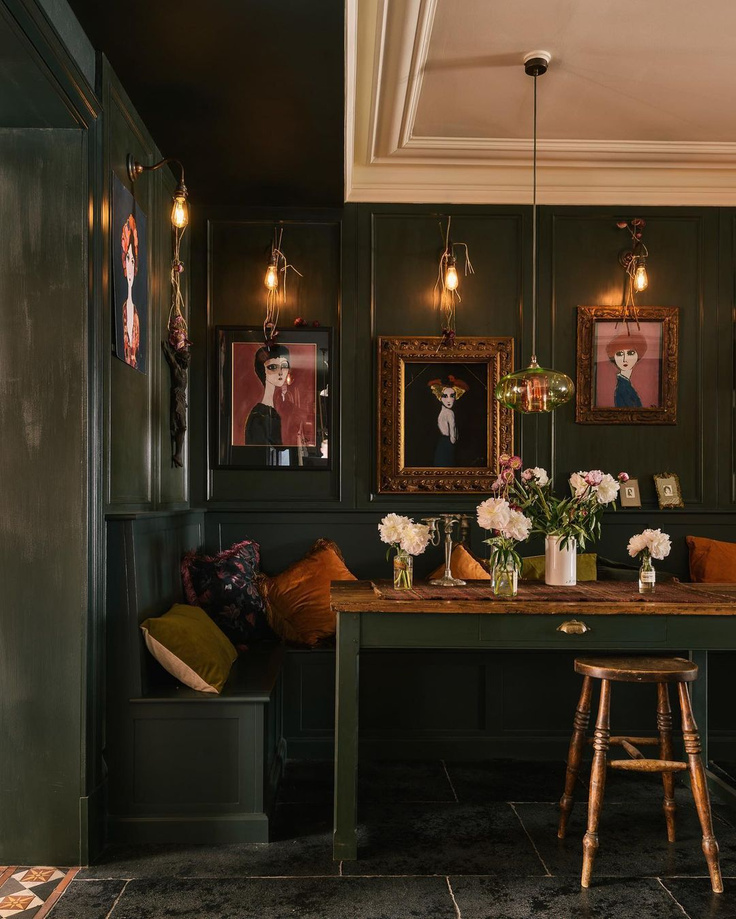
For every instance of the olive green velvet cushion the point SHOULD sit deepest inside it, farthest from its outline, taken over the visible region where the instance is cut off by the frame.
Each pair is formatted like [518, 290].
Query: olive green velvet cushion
[532, 568]
[187, 643]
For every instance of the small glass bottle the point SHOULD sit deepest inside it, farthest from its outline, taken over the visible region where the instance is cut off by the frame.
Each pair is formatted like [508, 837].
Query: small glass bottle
[403, 571]
[505, 580]
[647, 575]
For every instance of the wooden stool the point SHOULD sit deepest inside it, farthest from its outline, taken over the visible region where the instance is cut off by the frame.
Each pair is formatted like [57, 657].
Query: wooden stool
[638, 670]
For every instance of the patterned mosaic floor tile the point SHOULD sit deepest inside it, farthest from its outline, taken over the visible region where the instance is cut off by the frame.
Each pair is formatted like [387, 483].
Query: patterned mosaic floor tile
[28, 892]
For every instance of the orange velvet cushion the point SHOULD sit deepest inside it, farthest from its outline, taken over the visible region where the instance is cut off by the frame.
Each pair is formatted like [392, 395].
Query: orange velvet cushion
[463, 564]
[298, 599]
[712, 560]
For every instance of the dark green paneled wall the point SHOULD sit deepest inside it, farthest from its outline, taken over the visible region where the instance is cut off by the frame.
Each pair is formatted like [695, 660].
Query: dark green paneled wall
[43, 471]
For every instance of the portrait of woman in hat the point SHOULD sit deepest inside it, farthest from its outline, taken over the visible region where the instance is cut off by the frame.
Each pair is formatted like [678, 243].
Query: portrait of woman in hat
[447, 391]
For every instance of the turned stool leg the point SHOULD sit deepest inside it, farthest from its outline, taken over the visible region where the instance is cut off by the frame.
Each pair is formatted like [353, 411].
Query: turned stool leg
[664, 726]
[575, 753]
[699, 787]
[597, 781]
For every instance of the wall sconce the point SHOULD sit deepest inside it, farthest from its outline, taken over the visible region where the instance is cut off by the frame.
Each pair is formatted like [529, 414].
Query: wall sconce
[275, 282]
[176, 348]
[447, 283]
[180, 206]
[634, 262]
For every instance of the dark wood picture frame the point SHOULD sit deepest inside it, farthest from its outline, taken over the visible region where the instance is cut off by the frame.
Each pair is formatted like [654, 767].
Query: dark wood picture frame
[664, 411]
[664, 481]
[491, 426]
[307, 420]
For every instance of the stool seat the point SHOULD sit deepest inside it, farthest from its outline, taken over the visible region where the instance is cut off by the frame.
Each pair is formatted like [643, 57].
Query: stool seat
[638, 669]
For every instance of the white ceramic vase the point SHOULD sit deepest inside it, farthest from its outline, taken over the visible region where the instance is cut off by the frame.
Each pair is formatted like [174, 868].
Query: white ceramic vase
[560, 565]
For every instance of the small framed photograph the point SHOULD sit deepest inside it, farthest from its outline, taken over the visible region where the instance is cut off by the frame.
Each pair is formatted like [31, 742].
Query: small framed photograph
[629, 494]
[668, 490]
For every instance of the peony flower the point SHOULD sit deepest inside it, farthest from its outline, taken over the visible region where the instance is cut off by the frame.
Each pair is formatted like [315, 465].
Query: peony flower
[527, 475]
[636, 545]
[540, 475]
[594, 477]
[518, 526]
[578, 483]
[623, 476]
[415, 538]
[493, 514]
[659, 544]
[607, 490]
[392, 527]
[497, 485]
[655, 542]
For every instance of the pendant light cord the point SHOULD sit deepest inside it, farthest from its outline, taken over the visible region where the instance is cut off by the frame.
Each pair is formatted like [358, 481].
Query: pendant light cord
[534, 230]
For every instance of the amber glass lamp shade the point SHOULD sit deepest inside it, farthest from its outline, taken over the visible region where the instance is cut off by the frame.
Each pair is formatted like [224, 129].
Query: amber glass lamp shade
[534, 390]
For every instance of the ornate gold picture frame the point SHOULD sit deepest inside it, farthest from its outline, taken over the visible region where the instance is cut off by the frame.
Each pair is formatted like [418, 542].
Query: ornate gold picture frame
[627, 371]
[440, 429]
[669, 493]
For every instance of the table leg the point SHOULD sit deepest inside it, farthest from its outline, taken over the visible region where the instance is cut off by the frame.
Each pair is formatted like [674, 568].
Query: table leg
[345, 841]
[699, 693]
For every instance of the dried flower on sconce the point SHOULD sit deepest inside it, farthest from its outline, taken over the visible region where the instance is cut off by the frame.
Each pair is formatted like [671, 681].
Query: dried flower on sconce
[275, 282]
[447, 283]
[634, 262]
[176, 348]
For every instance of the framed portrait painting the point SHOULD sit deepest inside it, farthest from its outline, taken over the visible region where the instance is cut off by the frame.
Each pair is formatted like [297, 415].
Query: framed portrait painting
[129, 277]
[627, 371]
[274, 406]
[440, 429]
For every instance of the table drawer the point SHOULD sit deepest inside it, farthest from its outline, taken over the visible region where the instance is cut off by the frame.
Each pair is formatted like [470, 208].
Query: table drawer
[580, 631]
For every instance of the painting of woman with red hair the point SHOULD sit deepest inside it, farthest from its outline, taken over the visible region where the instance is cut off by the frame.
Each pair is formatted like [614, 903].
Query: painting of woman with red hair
[628, 365]
[130, 277]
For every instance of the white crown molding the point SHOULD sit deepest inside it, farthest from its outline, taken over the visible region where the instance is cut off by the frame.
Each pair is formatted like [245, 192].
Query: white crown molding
[560, 185]
[387, 42]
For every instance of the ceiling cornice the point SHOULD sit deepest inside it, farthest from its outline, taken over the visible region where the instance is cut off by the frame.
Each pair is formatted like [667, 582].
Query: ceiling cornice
[387, 43]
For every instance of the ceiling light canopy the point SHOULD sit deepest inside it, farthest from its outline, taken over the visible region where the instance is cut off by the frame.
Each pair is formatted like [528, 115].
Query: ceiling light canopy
[534, 390]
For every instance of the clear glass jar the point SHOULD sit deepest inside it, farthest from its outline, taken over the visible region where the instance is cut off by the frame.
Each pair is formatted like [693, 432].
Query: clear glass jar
[647, 575]
[504, 580]
[403, 571]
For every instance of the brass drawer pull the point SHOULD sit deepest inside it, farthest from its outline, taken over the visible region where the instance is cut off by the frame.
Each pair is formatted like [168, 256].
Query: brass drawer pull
[573, 627]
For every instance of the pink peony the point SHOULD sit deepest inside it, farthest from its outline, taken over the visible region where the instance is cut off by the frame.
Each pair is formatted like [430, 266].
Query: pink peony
[594, 477]
[623, 477]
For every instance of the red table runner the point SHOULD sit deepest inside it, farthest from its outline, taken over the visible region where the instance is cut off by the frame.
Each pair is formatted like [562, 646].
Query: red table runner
[591, 591]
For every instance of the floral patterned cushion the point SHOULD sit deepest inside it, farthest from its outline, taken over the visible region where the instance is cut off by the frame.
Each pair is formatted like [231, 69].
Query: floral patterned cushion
[224, 585]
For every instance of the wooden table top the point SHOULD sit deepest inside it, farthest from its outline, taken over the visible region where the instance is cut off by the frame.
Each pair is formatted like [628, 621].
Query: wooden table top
[621, 599]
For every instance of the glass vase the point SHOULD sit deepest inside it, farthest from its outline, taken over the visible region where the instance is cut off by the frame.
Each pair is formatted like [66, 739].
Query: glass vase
[504, 580]
[403, 571]
[647, 575]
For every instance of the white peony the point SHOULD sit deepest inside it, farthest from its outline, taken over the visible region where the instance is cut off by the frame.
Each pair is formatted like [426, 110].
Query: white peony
[578, 483]
[518, 526]
[392, 528]
[659, 544]
[415, 538]
[607, 489]
[540, 475]
[493, 513]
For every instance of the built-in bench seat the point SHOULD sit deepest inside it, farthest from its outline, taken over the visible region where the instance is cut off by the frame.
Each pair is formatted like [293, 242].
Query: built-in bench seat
[184, 766]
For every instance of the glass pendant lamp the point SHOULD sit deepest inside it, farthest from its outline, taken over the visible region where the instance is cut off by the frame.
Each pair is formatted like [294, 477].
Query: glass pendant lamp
[534, 389]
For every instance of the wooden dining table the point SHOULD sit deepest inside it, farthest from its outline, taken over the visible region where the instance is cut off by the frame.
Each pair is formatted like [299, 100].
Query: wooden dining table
[598, 615]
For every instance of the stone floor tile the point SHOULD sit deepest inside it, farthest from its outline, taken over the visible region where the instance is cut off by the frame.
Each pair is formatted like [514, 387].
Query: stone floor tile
[563, 898]
[508, 780]
[697, 899]
[307, 898]
[443, 839]
[633, 841]
[403, 782]
[87, 900]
